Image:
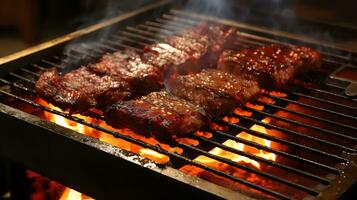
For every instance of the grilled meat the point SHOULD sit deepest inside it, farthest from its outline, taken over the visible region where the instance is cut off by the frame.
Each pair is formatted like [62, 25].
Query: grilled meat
[220, 37]
[114, 77]
[158, 114]
[195, 48]
[270, 65]
[130, 74]
[80, 90]
[164, 56]
[216, 91]
[129, 66]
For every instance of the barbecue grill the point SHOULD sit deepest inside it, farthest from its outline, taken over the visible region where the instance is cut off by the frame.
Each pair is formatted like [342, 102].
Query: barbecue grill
[315, 117]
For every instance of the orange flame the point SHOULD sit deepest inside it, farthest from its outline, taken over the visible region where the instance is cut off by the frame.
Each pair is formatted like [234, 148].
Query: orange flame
[148, 153]
[242, 147]
[70, 194]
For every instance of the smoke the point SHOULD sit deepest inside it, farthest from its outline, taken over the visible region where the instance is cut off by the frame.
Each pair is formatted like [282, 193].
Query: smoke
[83, 49]
[212, 7]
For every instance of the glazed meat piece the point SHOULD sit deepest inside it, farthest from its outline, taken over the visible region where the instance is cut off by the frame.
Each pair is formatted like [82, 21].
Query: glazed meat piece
[191, 50]
[80, 90]
[220, 37]
[158, 114]
[163, 55]
[215, 91]
[114, 77]
[141, 77]
[272, 65]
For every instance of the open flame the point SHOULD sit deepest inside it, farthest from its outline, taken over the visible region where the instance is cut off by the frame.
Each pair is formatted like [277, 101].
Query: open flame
[242, 147]
[148, 153]
[70, 194]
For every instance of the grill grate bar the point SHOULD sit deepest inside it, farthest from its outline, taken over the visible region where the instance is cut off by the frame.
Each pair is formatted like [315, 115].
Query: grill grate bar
[328, 92]
[258, 172]
[299, 134]
[147, 33]
[124, 38]
[301, 124]
[157, 148]
[314, 107]
[110, 48]
[38, 67]
[53, 64]
[156, 30]
[29, 72]
[282, 141]
[278, 152]
[121, 44]
[274, 41]
[191, 18]
[18, 86]
[21, 78]
[240, 140]
[259, 38]
[269, 162]
[29, 90]
[162, 26]
[323, 100]
[308, 116]
[290, 131]
[125, 33]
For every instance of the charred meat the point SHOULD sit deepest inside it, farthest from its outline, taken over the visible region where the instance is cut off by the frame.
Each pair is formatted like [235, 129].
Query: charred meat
[158, 114]
[270, 65]
[197, 47]
[81, 89]
[114, 77]
[141, 77]
[215, 91]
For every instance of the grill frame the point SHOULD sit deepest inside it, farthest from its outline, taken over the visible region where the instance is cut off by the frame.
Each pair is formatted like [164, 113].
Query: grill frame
[180, 180]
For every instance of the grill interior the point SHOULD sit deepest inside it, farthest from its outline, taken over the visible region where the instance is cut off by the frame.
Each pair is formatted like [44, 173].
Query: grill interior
[312, 127]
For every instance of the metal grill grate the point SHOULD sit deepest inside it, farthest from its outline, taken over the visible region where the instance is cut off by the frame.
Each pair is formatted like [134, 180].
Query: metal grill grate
[333, 146]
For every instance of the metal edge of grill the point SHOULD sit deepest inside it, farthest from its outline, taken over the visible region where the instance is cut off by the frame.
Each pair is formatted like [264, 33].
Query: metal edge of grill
[335, 188]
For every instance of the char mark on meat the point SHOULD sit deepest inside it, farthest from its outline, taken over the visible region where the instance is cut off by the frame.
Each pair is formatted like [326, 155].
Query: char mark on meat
[80, 90]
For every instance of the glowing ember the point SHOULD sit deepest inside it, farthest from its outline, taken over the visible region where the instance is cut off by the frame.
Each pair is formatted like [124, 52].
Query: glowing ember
[239, 146]
[232, 120]
[70, 194]
[266, 100]
[254, 106]
[204, 134]
[242, 112]
[188, 141]
[278, 94]
[153, 155]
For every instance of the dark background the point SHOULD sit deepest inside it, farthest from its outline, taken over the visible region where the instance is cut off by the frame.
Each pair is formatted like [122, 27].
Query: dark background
[27, 22]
